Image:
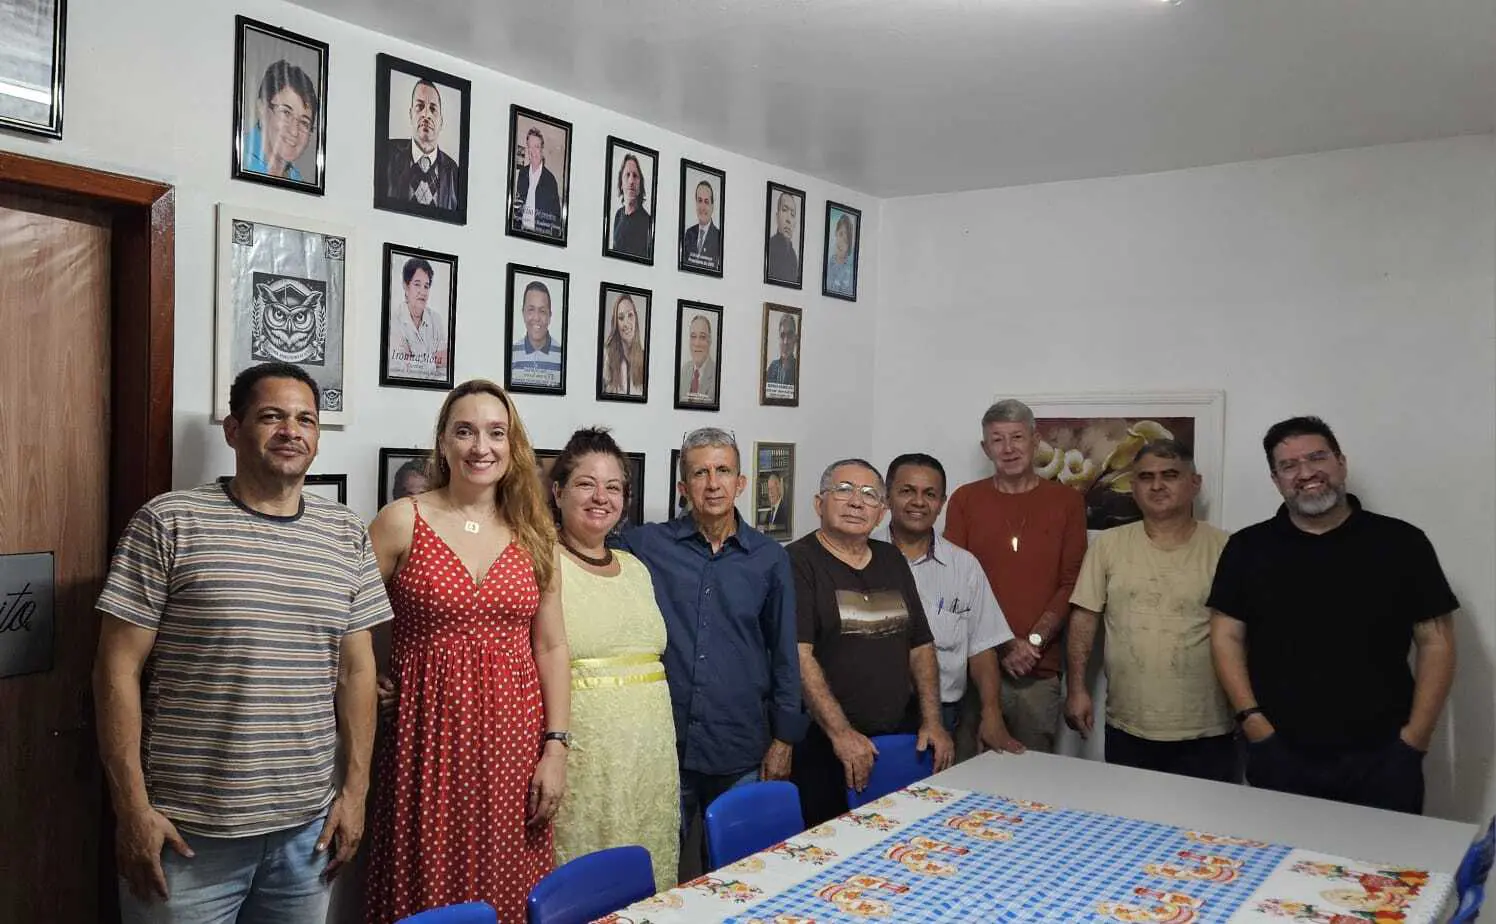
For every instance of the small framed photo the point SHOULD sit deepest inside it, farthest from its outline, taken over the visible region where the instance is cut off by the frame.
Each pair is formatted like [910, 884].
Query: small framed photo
[629, 201]
[331, 487]
[774, 490]
[843, 247]
[280, 107]
[31, 70]
[403, 472]
[419, 330]
[633, 514]
[680, 503]
[282, 296]
[421, 119]
[535, 317]
[623, 343]
[539, 176]
[703, 215]
[779, 356]
[698, 356]
[784, 236]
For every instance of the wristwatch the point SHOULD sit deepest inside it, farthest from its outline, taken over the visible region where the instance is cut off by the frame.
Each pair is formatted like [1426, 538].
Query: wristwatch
[1036, 640]
[561, 736]
[1241, 717]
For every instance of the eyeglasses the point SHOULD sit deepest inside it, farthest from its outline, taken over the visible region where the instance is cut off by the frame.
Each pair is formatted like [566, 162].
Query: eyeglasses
[843, 491]
[1292, 466]
[284, 113]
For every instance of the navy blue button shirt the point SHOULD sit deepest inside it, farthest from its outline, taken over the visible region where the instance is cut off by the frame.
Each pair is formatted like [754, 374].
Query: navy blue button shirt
[731, 657]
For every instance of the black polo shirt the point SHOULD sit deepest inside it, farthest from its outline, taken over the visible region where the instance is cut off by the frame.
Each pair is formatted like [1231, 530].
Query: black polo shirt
[1330, 622]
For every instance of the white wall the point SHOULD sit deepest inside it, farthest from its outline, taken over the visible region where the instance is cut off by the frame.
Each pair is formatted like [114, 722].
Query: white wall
[1358, 285]
[149, 93]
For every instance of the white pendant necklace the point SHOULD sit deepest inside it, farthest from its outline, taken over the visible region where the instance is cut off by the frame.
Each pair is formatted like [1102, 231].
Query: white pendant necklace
[471, 526]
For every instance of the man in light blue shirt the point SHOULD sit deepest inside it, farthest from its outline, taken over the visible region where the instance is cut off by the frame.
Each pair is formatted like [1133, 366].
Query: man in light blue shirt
[964, 617]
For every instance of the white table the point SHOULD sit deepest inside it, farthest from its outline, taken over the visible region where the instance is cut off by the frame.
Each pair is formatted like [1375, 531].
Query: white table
[1312, 824]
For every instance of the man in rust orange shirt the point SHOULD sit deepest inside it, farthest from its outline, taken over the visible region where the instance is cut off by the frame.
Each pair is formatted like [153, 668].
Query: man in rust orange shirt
[1030, 536]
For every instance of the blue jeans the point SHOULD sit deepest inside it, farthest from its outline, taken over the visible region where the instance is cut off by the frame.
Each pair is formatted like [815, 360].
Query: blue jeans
[266, 879]
[950, 716]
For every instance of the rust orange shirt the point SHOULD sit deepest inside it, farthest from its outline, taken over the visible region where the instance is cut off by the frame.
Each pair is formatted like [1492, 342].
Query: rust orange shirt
[1048, 527]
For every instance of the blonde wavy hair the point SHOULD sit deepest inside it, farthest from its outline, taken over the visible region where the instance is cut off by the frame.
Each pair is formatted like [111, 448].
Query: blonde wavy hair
[519, 495]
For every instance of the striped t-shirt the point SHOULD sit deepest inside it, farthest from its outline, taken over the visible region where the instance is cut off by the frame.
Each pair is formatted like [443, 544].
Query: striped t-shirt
[238, 734]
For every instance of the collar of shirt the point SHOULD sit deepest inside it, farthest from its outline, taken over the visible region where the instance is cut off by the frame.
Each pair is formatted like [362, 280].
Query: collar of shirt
[549, 343]
[1284, 523]
[684, 528]
[416, 154]
[936, 553]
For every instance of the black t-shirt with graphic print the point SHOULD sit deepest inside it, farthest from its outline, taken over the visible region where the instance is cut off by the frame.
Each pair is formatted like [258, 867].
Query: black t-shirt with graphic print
[863, 624]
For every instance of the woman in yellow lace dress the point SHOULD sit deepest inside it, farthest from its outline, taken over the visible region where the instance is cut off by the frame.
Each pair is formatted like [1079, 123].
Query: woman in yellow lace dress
[621, 769]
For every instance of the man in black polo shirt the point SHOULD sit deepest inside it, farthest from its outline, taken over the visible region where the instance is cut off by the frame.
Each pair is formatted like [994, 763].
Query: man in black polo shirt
[867, 658]
[1312, 615]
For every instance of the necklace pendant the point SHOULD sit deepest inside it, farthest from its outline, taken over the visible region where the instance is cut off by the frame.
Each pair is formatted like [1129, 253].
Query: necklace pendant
[1015, 543]
[473, 527]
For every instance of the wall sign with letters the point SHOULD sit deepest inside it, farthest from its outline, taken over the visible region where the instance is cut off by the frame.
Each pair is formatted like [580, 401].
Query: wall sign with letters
[26, 585]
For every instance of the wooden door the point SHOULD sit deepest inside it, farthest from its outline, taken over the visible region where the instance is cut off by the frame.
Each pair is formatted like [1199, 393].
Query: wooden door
[55, 357]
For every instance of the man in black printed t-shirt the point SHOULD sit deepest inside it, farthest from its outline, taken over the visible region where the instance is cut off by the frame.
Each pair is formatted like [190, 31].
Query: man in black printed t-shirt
[865, 645]
[1313, 613]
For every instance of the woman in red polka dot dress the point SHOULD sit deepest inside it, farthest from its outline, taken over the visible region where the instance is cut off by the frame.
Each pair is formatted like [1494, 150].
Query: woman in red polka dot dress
[479, 675]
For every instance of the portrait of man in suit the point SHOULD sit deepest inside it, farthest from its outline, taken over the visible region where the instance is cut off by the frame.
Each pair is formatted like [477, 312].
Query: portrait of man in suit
[537, 195]
[785, 370]
[780, 338]
[774, 516]
[422, 160]
[701, 234]
[785, 246]
[698, 356]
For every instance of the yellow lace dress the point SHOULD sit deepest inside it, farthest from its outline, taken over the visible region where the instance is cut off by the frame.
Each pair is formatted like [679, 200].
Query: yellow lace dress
[622, 780]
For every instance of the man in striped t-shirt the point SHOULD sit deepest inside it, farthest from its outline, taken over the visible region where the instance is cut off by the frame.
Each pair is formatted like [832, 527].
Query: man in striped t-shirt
[248, 607]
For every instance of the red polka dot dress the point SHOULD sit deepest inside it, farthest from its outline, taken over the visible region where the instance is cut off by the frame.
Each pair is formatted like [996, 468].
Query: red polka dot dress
[454, 767]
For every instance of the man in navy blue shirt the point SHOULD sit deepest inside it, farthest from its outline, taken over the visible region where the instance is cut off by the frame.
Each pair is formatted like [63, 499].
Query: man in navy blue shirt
[731, 659]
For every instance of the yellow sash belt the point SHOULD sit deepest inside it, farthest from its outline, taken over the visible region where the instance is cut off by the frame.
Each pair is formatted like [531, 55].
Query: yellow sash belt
[583, 679]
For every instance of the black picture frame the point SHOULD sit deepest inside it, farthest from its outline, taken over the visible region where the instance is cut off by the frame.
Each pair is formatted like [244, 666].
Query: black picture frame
[42, 39]
[634, 248]
[837, 212]
[706, 400]
[395, 258]
[679, 504]
[391, 461]
[340, 482]
[778, 381]
[773, 248]
[392, 151]
[690, 257]
[549, 129]
[247, 32]
[533, 382]
[608, 297]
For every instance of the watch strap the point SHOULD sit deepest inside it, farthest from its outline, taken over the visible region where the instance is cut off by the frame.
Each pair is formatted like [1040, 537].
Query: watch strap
[1241, 717]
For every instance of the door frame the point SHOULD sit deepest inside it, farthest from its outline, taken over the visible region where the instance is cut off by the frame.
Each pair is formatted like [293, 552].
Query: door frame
[142, 305]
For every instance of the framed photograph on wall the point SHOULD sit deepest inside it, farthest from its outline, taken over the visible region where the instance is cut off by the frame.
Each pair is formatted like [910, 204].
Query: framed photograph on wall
[779, 379]
[774, 490]
[698, 356]
[679, 503]
[843, 247]
[535, 316]
[703, 215]
[280, 107]
[623, 343]
[1087, 442]
[421, 119]
[539, 176]
[31, 70]
[331, 487]
[403, 472]
[282, 296]
[629, 201]
[418, 333]
[784, 235]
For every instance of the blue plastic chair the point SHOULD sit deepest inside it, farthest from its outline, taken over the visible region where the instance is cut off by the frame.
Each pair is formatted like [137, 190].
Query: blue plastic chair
[592, 886]
[898, 764]
[469, 913]
[1470, 878]
[750, 818]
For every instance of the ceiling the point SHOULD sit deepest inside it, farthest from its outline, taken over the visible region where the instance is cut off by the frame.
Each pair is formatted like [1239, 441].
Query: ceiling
[904, 97]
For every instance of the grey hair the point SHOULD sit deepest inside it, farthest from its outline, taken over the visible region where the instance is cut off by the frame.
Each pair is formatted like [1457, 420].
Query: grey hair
[1008, 410]
[1166, 449]
[827, 482]
[708, 436]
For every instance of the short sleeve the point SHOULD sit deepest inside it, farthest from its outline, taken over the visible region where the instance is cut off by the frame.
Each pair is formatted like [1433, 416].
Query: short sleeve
[1090, 584]
[370, 605]
[1428, 588]
[139, 578]
[989, 627]
[919, 623]
[1230, 590]
[806, 630]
